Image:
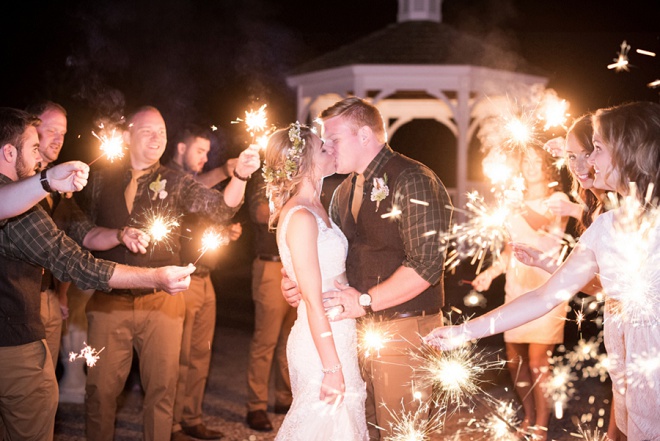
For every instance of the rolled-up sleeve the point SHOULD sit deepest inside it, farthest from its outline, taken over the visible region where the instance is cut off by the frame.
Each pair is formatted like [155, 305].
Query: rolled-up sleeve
[425, 213]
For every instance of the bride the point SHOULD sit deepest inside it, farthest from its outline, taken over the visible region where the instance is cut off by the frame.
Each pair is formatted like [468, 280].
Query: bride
[328, 391]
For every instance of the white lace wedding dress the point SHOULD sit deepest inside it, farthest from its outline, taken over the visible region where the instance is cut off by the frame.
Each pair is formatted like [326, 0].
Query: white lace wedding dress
[309, 418]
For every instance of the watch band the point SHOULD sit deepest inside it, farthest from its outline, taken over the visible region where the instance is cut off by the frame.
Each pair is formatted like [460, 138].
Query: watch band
[44, 182]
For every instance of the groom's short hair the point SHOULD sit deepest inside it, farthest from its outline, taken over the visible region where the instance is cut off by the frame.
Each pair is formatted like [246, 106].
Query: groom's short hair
[359, 113]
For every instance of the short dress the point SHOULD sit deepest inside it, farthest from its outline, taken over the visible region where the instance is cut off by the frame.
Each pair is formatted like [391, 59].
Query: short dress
[521, 278]
[629, 270]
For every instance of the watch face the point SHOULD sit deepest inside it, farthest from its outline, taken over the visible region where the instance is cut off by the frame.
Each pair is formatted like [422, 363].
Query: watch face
[365, 300]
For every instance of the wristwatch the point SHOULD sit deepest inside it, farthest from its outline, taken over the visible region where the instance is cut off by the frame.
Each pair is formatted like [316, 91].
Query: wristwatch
[365, 302]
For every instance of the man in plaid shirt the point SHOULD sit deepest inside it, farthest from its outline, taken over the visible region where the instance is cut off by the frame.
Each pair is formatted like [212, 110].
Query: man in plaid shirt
[28, 243]
[392, 210]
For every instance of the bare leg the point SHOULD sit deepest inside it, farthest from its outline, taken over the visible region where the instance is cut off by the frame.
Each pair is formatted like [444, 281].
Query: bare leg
[518, 365]
[539, 362]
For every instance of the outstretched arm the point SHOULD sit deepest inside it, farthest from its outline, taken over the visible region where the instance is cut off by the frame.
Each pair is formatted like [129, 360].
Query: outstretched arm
[18, 197]
[305, 259]
[576, 272]
[172, 279]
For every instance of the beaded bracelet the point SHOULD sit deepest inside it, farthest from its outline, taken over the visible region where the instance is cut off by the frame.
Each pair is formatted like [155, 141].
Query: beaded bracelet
[332, 370]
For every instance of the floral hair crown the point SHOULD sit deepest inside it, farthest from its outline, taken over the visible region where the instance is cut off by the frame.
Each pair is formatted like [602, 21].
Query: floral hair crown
[293, 154]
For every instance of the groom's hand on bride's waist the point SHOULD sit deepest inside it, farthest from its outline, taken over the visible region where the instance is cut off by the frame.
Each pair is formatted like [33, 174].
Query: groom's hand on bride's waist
[347, 297]
[290, 290]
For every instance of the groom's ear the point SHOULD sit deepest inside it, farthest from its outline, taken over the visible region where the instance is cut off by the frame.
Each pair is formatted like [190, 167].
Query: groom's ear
[364, 133]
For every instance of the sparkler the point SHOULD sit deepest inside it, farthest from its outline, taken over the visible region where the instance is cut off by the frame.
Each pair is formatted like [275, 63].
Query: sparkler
[621, 61]
[112, 145]
[90, 355]
[454, 375]
[211, 240]
[486, 232]
[256, 122]
[413, 426]
[372, 337]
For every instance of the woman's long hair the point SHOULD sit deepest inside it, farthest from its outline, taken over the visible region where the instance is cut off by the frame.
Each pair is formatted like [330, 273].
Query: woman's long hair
[632, 132]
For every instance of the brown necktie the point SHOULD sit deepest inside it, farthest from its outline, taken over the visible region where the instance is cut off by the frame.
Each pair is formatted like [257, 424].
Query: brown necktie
[131, 188]
[357, 195]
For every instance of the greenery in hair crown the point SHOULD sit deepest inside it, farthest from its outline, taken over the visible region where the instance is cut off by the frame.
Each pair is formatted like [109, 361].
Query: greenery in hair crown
[293, 154]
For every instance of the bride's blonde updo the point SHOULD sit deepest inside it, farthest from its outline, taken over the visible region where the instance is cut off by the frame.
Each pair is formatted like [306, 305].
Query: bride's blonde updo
[288, 159]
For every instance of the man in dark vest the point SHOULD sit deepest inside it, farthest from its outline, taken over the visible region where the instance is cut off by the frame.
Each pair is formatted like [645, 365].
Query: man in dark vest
[135, 193]
[28, 243]
[190, 155]
[392, 210]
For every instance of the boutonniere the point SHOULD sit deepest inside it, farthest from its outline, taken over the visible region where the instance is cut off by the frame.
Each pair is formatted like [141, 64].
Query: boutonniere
[379, 191]
[158, 187]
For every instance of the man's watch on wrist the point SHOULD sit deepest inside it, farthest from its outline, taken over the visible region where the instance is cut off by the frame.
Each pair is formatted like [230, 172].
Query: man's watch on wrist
[365, 301]
[44, 181]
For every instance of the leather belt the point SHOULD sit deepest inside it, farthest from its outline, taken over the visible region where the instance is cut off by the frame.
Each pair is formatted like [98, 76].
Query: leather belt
[269, 258]
[406, 314]
[134, 292]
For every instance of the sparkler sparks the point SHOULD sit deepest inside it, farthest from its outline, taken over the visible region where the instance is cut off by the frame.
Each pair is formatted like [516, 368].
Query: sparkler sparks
[454, 375]
[486, 232]
[621, 61]
[256, 122]
[211, 240]
[112, 145]
[413, 426]
[372, 337]
[90, 355]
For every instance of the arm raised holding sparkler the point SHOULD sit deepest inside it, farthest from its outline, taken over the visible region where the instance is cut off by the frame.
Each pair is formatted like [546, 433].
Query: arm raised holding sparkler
[247, 163]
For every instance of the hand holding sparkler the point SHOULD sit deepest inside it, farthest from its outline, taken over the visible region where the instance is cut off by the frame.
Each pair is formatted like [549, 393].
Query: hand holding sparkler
[135, 240]
[69, 176]
[446, 338]
[247, 163]
[173, 279]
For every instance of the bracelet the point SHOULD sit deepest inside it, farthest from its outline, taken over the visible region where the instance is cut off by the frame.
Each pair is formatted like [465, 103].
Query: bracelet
[44, 182]
[241, 177]
[332, 370]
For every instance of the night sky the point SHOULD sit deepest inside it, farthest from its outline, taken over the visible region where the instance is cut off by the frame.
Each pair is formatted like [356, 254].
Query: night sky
[209, 61]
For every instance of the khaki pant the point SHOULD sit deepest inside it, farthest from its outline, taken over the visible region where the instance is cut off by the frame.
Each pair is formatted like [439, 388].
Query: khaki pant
[28, 392]
[390, 376]
[195, 359]
[273, 320]
[51, 317]
[152, 324]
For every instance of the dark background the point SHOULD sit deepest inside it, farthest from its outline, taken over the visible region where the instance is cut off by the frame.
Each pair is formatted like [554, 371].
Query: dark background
[209, 61]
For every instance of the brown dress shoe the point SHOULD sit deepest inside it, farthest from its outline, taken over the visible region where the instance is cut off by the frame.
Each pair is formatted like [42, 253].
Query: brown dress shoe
[200, 431]
[180, 436]
[258, 420]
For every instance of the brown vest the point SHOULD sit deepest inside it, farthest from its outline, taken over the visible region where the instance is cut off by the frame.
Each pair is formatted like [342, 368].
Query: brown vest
[20, 302]
[375, 247]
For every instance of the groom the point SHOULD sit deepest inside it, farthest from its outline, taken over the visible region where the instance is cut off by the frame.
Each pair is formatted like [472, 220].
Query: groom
[392, 210]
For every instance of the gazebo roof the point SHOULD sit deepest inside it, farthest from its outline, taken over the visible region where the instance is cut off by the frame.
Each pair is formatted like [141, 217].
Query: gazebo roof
[419, 43]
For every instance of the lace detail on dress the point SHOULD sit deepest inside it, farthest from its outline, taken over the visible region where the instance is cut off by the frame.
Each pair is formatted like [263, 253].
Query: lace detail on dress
[310, 419]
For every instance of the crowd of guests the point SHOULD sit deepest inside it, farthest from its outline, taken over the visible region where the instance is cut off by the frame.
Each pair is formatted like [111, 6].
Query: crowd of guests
[78, 238]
